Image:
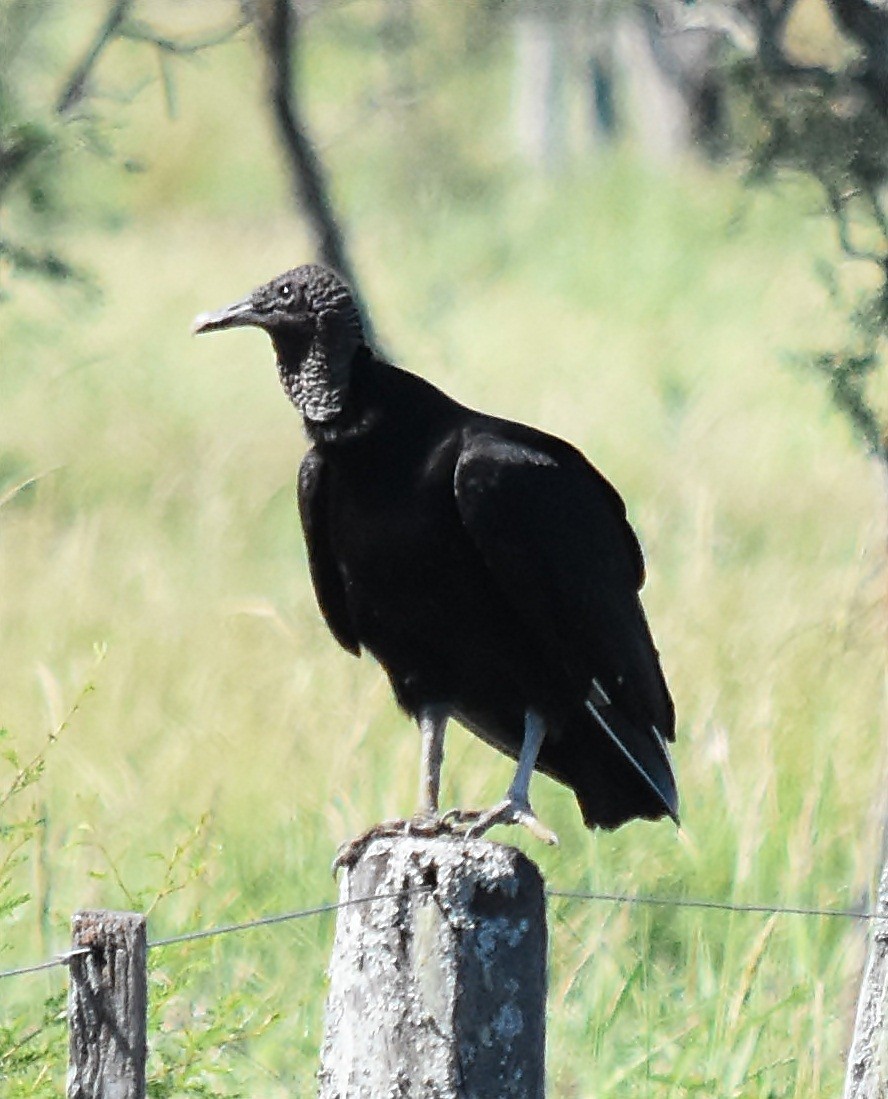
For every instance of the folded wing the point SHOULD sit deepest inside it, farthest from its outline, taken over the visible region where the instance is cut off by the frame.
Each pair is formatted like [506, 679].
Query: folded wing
[554, 535]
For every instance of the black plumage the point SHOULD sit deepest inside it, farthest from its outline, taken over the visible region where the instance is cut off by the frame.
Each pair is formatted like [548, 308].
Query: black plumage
[486, 565]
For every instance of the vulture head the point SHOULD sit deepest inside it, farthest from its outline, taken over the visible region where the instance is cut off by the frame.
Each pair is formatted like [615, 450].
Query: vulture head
[314, 324]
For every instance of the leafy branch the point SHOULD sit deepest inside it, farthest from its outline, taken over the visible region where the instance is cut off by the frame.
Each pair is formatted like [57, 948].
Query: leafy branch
[827, 123]
[28, 773]
[36, 143]
[74, 88]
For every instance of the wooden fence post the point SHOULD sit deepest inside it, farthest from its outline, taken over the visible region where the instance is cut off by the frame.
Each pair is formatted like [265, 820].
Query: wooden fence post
[107, 1007]
[438, 985]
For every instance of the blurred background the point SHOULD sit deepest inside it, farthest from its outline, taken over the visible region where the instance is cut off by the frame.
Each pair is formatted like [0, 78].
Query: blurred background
[655, 228]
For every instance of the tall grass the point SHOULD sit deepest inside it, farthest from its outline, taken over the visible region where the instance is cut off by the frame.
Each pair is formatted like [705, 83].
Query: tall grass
[228, 746]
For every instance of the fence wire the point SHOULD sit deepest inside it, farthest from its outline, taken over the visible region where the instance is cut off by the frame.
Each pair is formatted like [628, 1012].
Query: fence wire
[557, 894]
[714, 905]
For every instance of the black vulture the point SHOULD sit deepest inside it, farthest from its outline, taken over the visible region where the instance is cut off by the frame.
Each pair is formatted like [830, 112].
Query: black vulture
[486, 565]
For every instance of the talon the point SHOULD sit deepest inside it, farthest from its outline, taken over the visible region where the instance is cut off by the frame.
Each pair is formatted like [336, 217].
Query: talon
[461, 818]
[537, 829]
[510, 811]
[426, 825]
[350, 851]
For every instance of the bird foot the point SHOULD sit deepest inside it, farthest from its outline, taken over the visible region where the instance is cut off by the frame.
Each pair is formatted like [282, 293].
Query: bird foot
[476, 822]
[422, 824]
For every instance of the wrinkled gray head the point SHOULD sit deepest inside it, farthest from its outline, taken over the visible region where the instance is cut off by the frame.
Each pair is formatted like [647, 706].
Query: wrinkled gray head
[312, 319]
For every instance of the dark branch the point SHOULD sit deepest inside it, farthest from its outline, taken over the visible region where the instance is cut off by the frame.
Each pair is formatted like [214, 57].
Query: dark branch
[137, 31]
[754, 29]
[867, 24]
[276, 25]
[21, 147]
[837, 204]
[783, 12]
[46, 264]
[874, 201]
[118, 25]
[846, 376]
[75, 87]
[863, 21]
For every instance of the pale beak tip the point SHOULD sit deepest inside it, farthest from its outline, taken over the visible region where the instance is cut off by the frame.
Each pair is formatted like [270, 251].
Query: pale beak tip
[200, 323]
[240, 314]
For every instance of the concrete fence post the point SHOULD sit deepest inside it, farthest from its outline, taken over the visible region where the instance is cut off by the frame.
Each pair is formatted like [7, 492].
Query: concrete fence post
[438, 984]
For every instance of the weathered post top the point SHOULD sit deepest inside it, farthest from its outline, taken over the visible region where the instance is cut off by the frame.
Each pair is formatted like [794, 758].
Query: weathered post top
[438, 985]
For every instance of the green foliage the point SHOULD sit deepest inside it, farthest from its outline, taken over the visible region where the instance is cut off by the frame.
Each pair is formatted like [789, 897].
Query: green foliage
[54, 119]
[33, 145]
[32, 1043]
[31, 1048]
[191, 1050]
[822, 125]
[193, 1047]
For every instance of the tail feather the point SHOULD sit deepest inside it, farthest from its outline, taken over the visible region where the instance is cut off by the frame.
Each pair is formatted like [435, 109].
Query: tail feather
[617, 770]
[660, 779]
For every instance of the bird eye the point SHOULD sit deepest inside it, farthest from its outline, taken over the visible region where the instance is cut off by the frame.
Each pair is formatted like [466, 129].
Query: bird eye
[287, 291]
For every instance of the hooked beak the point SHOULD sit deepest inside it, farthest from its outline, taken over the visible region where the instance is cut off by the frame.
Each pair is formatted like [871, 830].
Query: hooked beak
[239, 315]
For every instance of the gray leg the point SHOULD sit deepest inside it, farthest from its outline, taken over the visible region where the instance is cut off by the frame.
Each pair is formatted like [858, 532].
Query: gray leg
[515, 807]
[534, 733]
[431, 725]
[427, 821]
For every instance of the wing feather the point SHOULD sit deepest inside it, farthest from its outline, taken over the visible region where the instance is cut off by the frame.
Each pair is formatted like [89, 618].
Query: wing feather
[313, 496]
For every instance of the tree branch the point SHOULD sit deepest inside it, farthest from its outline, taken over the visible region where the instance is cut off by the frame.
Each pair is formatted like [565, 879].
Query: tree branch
[75, 87]
[118, 25]
[837, 205]
[137, 31]
[867, 24]
[752, 28]
[276, 25]
[24, 145]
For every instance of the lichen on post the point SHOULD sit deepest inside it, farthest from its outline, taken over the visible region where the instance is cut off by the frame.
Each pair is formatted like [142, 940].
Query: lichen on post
[438, 984]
